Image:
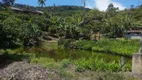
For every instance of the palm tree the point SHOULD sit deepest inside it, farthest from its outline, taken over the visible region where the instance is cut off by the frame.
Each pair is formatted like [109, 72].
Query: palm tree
[41, 3]
[12, 2]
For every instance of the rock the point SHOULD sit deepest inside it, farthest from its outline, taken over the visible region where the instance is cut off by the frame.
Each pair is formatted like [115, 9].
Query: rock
[26, 71]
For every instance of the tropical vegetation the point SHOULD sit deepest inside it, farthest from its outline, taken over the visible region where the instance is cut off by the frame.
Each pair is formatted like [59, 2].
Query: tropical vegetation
[113, 46]
[24, 35]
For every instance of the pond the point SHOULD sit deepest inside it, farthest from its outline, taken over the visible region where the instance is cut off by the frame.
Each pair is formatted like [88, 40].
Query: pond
[61, 53]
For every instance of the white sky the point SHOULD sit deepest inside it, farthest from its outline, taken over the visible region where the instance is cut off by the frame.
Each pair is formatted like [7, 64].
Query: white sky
[103, 4]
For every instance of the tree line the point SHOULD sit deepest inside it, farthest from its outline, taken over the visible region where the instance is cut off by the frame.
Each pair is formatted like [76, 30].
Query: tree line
[68, 22]
[11, 2]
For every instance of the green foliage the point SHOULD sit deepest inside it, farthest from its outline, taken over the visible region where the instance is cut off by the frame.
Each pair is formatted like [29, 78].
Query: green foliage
[65, 62]
[26, 28]
[95, 64]
[122, 47]
[9, 30]
[46, 62]
[84, 44]
[114, 46]
[18, 28]
[69, 22]
[14, 29]
[66, 43]
[11, 56]
[64, 20]
[98, 64]
[29, 33]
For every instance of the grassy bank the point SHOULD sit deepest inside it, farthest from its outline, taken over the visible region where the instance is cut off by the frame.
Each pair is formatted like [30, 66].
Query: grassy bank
[81, 65]
[93, 63]
[121, 47]
[73, 69]
[67, 67]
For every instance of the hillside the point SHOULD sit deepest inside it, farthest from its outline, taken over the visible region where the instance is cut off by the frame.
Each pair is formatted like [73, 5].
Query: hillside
[64, 10]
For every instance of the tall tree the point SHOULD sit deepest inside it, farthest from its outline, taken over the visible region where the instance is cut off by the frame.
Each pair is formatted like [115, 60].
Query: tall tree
[41, 3]
[111, 10]
[8, 2]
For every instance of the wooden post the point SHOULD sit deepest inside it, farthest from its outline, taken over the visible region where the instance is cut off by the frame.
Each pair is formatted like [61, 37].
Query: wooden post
[122, 63]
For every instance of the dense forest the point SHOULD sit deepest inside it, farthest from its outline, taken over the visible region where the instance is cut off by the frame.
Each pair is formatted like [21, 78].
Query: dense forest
[66, 21]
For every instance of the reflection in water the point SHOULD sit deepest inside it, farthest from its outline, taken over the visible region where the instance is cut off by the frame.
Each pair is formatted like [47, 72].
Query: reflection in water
[59, 54]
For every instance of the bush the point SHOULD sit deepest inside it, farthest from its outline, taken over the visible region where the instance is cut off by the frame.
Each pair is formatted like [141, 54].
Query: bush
[122, 47]
[95, 64]
[84, 44]
[65, 62]
[46, 62]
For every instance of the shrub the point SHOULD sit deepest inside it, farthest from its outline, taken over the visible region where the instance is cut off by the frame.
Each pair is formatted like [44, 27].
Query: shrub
[46, 62]
[123, 47]
[65, 62]
[95, 64]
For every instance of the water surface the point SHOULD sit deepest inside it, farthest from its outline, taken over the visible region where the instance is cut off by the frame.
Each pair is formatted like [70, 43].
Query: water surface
[60, 54]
